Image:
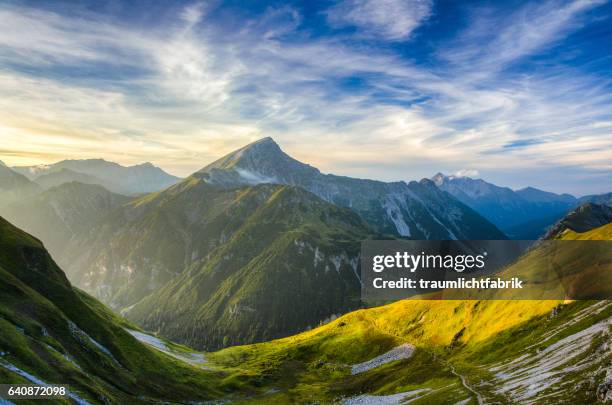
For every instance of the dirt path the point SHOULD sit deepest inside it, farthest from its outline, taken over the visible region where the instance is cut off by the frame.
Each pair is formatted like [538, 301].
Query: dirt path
[463, 379]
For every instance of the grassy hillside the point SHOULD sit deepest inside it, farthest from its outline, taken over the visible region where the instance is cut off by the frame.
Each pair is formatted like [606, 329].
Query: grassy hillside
[454, 340]
[545, 351]
[601, 233]
[50, 332]
[458, 351]
[290, 262]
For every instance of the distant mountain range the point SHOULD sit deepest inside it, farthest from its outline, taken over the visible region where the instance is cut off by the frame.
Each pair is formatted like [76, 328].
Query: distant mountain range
[14, 186]
[223, 257]
[521, 214]
[63, 215]
[143, 178]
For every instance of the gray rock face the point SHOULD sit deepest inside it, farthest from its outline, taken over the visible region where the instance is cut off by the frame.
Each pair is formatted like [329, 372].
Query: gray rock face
[416, 210]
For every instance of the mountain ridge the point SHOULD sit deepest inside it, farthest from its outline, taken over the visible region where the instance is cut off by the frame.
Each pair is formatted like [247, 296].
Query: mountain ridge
[135, 179]
[405, 209]
[522, 214]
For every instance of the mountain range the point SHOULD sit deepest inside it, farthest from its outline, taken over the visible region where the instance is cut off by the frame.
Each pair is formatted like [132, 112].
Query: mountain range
[521, 214]
[416, 210]
[258, 246]
[254, 246]
[143, 178]
[420, 350]
[64, 214]
[203, 261]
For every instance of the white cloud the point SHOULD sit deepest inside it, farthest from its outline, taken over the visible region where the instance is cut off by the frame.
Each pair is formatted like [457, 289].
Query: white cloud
[205, 91]
[467, 173]
[494, 41]
[388, 19]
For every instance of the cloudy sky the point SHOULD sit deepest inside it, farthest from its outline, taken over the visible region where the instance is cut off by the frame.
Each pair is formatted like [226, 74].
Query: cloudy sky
[517, 93]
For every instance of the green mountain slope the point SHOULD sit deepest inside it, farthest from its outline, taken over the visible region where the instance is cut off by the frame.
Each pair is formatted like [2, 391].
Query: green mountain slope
[52, 333]
[441, 352]
[509, 352]
[225, 265]
[292, 262]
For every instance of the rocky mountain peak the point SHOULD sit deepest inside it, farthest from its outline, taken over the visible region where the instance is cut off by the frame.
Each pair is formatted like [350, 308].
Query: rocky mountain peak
[439, 179]
[262, 161]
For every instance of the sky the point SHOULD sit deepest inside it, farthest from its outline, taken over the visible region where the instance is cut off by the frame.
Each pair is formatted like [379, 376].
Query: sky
[517, 93]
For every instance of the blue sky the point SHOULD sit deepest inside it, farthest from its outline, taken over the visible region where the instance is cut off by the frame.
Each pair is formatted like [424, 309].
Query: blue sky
[518, 93]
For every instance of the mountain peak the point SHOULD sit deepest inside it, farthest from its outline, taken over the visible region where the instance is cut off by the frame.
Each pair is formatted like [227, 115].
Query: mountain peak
[2, 163]
[439, 179]
[262, 161]
[265, 140]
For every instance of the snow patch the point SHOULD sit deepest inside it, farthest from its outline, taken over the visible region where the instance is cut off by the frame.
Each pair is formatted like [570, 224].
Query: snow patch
[401, 352]
[38, 381]
[255, 178]
[318, 257]
[399, 398]
[193, 358]
[337, 261]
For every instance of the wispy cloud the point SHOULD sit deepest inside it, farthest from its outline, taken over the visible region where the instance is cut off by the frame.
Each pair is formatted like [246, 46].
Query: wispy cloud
[389, 19]
[495, 39]
[466, 173]
[184, 93]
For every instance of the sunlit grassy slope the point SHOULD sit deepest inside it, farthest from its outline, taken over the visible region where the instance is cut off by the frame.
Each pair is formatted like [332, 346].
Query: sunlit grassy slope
[601, 233]
[452, 338]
